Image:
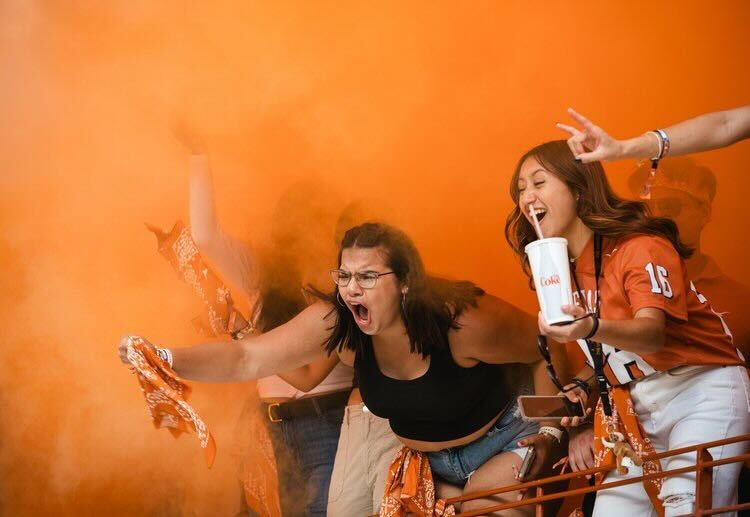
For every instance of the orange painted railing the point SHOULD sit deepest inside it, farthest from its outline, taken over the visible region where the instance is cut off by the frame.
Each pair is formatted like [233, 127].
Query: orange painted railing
[703, 482]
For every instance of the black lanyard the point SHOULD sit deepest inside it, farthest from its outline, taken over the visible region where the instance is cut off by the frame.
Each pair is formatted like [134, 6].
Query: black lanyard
[595, 348]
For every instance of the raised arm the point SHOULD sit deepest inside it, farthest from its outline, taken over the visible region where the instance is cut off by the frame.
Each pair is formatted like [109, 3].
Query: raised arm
[233, 259]
[294, 344]
[710, 131]
[495, 332]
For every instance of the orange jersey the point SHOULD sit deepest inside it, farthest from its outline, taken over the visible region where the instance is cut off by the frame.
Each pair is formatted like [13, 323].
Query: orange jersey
[646, 271]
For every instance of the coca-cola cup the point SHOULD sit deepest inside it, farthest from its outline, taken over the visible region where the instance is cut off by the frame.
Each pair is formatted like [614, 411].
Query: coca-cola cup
[548, 259]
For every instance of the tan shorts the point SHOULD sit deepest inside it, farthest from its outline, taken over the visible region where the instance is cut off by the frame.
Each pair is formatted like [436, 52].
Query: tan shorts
[367, 446]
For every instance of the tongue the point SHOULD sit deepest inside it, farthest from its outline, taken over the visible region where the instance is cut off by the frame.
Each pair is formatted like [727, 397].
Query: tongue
[363, 312]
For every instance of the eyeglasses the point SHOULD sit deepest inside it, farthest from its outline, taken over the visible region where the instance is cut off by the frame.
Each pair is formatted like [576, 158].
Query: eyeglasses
[365, 279]
[541, 343]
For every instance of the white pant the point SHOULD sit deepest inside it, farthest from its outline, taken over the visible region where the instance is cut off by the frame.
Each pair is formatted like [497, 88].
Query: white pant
[367, 446]
[680, 409]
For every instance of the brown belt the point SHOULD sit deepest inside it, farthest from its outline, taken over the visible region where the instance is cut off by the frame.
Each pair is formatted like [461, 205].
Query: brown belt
[308, 406]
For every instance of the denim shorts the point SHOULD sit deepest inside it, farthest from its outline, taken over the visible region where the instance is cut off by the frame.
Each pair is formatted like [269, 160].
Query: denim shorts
[456, 464]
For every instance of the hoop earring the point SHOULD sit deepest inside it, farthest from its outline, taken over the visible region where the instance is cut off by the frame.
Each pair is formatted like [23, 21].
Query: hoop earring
[340, 300]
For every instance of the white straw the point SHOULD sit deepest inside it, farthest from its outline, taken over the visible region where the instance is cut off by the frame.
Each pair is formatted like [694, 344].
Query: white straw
[538, 228]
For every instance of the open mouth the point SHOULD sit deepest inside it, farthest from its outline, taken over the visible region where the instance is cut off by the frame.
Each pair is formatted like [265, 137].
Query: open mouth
[361, 313]
[540, 213]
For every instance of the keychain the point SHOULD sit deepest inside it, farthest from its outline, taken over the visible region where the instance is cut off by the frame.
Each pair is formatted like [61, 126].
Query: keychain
[624, 453]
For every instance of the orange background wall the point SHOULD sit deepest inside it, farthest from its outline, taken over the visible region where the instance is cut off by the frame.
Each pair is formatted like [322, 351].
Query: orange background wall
[425, 106]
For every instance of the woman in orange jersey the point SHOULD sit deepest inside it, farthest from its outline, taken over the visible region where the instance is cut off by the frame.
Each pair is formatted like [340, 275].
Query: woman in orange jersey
[673, 376]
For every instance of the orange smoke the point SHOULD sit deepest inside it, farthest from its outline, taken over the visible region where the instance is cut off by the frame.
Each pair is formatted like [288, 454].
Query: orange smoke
[425, 107]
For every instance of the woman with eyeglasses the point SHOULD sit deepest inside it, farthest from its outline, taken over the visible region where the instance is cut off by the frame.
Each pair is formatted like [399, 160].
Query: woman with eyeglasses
[673, 376]
[441, 360]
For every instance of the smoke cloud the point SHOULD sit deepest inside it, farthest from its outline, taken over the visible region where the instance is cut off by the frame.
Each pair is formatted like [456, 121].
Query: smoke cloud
[419, 109]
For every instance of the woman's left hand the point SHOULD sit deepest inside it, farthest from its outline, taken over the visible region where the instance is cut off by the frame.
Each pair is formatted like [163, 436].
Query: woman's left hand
[568, 332]
[547, 448]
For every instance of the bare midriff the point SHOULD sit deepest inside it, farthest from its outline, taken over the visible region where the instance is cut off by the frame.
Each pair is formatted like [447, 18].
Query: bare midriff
[356, 398]
[423, 446]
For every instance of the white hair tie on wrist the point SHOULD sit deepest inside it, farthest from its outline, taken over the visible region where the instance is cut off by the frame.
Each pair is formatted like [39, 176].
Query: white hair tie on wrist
[165, 354]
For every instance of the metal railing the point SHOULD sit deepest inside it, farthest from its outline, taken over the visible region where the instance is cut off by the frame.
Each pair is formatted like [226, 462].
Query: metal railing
[703, 469]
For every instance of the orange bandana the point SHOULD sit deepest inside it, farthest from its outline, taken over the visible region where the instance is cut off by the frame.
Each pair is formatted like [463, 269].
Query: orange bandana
[625, 420]
[258, 473]
[166, 396]
[410, 488]
[178, 248]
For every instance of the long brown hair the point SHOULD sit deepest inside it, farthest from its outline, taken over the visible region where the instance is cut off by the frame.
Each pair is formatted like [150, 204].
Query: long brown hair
[599, 207]
[429, 310]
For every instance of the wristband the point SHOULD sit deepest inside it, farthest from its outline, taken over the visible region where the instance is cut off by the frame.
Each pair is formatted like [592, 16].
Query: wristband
[594, 327]
[165, 354]
[660, 142]
[665, 143]
[581, 383]
[554, 432]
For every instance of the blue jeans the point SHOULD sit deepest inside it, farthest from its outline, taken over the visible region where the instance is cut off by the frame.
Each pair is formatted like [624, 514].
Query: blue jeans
[305, 448]
[456, 464]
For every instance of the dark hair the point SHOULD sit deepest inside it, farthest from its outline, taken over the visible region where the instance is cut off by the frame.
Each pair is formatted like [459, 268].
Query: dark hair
[303, 216]
[280, 291]
[598, 206]
[430, 308]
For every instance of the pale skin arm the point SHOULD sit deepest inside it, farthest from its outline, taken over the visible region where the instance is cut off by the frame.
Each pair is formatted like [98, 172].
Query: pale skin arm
[294, 344]
[644, 334]
[703, 133]
[233, 259]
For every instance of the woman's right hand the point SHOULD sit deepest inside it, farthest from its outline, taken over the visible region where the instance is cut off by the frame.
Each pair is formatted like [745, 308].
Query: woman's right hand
[592, 143]
[579, 396]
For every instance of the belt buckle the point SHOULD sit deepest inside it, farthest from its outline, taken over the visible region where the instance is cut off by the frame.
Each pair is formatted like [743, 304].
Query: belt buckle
[270, 413]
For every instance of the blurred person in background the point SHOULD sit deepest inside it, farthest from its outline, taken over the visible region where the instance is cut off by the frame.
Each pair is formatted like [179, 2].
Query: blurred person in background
[268, 281]
[684, 192]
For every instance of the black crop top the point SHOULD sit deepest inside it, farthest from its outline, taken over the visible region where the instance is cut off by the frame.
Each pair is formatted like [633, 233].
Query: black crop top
[446, 403]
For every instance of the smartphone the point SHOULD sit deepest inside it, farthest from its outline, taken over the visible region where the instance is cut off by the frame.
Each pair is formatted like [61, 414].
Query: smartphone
[553, 407]
[528, 460]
